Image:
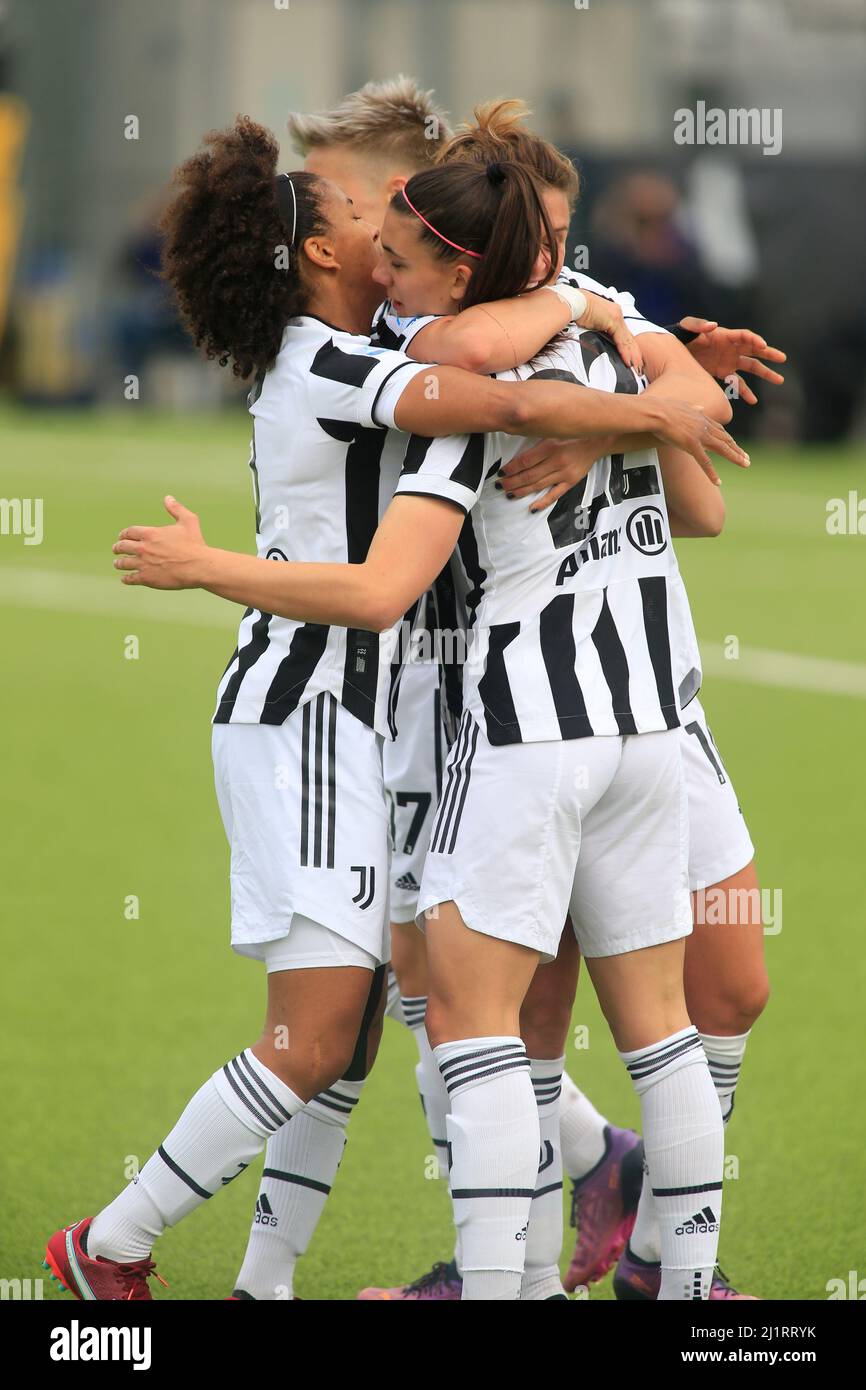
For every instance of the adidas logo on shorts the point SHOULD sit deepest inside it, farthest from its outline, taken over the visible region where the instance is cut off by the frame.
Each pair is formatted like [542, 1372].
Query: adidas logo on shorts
[702, 1223]
[408, 883]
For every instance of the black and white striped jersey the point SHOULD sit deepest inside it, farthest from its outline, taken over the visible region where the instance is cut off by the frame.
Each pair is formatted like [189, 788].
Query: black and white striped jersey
[454, 592]
[390, 330]
[580, 622]
[325, 461]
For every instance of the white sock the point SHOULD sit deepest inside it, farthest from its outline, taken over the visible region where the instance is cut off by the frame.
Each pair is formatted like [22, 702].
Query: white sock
[431, 1089]
[301, 1162]
[725, 1057]
[684, 1145]
[392, 1007]
[222, 1129]
[581, 1131]
[494, 1135]
[645, 1239]
[544, 1238]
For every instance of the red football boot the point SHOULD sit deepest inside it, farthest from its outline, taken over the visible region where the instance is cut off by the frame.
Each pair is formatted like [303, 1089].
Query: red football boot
[97, 1279]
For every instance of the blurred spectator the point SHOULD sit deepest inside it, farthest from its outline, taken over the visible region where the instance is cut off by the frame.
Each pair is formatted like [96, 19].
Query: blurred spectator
[638, 243]
[833, 373]
[145, 322]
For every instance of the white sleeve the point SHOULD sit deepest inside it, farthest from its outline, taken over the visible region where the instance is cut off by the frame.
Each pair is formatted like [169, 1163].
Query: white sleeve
[394, 331]
[358, 383]
[451, 467]
[635, 320]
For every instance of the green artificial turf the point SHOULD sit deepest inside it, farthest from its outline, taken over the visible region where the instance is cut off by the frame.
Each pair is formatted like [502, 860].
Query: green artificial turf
[111, 1022]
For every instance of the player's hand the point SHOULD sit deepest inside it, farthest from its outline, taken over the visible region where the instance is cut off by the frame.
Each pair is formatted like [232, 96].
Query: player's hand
[604, 316]
[725, 352]
[555, 464]
[686, 427]
[162, 557]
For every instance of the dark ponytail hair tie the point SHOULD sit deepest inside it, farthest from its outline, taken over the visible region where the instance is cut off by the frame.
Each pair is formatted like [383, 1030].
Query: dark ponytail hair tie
[495, 172]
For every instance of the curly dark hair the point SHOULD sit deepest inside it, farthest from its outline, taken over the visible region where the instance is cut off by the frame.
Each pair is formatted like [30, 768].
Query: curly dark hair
[226, 246]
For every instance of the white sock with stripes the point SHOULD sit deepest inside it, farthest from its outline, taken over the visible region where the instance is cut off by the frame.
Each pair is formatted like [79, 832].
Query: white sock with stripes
[301, 1162]
[684, 1145]
[222, 1129]
[724, 1057]
[544, 1238]
[581, 1131]
[494, 1135]
[431, 1089]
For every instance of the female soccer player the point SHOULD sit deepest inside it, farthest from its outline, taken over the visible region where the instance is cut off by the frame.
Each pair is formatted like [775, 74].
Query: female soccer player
[276, 275]
[602, 661]
[725, 974]
[725, 989]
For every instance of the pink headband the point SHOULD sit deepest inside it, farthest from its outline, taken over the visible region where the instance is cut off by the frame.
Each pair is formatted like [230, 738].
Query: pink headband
[477, 254]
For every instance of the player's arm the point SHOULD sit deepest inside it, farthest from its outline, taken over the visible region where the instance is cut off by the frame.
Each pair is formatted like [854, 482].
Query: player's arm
[672, 371]
[559, 465]
[695, 505]
[674, 374]
[503, 334]
[446, 400]
[694, 501]
[412, 544]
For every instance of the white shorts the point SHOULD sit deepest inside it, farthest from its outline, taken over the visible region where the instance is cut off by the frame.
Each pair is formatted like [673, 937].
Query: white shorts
[528, 832]
[413, 781]
[719, 841]
[310, 946]
[303, 806]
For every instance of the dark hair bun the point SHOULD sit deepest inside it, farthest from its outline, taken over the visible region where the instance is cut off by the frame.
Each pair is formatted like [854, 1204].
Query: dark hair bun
[495, 171]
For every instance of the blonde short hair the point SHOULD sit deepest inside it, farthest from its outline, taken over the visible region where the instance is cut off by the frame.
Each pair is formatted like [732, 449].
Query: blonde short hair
[391, 120]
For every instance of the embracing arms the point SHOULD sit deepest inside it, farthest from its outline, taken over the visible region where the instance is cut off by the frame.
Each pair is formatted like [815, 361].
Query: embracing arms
[446, 400]
[508, 332]
[412, 544]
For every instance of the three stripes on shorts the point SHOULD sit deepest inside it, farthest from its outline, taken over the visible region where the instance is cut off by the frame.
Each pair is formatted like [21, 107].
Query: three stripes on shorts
[318, 782]
[447, 823]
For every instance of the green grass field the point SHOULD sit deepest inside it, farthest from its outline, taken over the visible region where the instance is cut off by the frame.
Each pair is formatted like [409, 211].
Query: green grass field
[110, 1024]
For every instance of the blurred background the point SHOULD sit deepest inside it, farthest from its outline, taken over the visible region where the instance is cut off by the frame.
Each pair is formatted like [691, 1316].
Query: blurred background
[100, 98]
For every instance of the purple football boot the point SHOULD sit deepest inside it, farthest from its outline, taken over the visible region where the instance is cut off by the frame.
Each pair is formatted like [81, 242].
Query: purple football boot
[603, 1207]
[441, 1283]
[639, 1280]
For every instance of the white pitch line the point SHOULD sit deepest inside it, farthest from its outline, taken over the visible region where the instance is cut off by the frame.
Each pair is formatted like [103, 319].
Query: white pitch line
[64, 591]
[104, 596]
[787, 670]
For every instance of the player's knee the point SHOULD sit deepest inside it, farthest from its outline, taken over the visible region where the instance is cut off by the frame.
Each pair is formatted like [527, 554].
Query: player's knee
[734, 1008]
[439, 1021]
[544, 1027]
[750, 1001]
[313, 1065]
